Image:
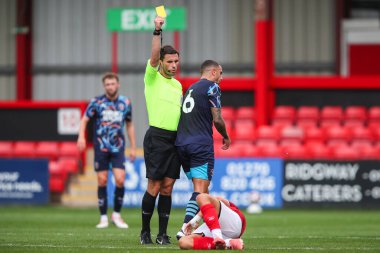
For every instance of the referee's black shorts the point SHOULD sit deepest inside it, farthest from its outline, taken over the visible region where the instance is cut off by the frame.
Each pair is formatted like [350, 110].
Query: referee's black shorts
[160, 154]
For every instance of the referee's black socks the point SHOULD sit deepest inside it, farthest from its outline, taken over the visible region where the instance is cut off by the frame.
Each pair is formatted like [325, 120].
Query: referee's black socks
[147, 207]
[164, 207]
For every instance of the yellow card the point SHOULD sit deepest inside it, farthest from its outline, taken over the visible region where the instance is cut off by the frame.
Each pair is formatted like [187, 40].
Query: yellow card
[160, 10]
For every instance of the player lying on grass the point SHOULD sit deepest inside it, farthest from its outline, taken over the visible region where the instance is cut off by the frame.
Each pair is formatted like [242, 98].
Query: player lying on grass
[221, 231]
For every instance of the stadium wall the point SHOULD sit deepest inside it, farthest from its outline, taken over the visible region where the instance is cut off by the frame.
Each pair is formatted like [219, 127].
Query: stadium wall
[7, 49]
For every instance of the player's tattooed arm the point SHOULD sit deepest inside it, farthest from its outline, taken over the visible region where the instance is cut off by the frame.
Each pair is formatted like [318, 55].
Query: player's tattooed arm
[219, 122]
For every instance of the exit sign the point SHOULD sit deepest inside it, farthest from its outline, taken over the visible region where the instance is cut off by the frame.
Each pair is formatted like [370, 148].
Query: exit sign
[142, 19]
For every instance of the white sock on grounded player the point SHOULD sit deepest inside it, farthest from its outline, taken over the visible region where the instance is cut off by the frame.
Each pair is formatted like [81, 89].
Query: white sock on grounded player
[217, 233]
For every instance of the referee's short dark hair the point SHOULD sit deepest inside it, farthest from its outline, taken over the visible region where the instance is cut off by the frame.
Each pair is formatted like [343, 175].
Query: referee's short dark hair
[208, 64]
[110, 75]
[167, 49]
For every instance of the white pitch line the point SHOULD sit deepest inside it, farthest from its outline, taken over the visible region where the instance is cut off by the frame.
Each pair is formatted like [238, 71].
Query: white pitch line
[68, 246]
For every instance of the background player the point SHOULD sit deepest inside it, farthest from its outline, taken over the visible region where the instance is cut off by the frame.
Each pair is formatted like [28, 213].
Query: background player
[201, 109]
[221, 231]
[110, 111]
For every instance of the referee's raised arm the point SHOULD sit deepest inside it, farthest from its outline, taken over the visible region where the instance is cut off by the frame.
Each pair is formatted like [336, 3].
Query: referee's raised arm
[156, 42]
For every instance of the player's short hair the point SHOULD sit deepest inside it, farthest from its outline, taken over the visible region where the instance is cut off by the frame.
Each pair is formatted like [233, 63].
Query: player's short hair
[208, 64]
[110, 75]
[167, 49]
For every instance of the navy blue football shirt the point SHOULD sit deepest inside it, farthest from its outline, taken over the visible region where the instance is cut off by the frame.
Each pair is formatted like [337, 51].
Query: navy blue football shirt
[195, 124]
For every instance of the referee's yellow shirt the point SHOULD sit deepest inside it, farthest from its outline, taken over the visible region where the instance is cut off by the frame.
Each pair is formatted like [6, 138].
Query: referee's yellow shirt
[163, 99]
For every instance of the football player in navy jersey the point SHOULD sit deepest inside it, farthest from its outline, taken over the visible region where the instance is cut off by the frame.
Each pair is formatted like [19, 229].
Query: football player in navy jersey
[201, 108]
[110, 111]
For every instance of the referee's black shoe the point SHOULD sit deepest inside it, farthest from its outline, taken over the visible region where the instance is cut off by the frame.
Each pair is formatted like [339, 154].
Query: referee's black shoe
[145, 238]
[163, 239]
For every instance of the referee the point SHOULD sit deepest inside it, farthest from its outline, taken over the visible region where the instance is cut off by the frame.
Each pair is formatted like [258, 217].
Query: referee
[163, 95]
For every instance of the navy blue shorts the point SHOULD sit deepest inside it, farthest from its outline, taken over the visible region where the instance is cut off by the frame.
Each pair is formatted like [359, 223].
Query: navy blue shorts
[107, 160]
[197, 160]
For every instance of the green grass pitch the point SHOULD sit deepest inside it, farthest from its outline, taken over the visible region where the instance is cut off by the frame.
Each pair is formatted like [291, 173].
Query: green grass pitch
[59, 229]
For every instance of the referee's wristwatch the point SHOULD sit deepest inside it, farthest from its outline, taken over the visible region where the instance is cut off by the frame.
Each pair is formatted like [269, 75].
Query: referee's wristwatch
[157, 32]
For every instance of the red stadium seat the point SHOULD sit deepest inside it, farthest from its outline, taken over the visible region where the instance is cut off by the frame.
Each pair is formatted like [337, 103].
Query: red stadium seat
[271, 150]
[47, 149]
[355, 112]
[69, 149]
[57, 178]
[307, 116]
[56, 185]
[338, 133]
[374, 118]
[352, 123]
[334, 144]
[295, 152]
[24, 149]
[267, 135]
[320, 152]
[292, 133]
[369, 153]
[374, 113]
[283, 116]
[346, 153]
[332, 112]
[268, 132]
[284, 112]
[331, 116]
[306, 123]
[70, 165]
[245, 130]
[228, 113]
[315, 133]
[355, 116]
[361, 144]
[252, 151]
[245, 112]
[310, 143]
[6, 149]
[244, 123]
[308, 113]
[248, 149]
[362, 134]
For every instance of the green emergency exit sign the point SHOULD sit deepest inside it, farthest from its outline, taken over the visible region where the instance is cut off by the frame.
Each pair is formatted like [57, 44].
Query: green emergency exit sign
[142, 19]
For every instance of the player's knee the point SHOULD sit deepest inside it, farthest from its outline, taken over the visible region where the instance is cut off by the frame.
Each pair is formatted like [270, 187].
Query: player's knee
[184, 243]
[201, 198]
[102, 182]
[166, 190]
[119, 181]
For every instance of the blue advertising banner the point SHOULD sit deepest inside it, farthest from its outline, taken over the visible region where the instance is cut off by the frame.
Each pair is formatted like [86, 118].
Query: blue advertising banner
[234, 179]
[24, 181]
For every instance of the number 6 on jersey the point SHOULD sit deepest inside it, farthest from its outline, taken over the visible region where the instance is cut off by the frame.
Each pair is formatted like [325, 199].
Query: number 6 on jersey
[188, 104]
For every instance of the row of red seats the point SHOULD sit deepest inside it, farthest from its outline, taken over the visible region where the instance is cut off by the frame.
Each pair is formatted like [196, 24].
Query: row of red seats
[64, 158]
[295, 134]
[310, 115]
[42, 149]
[308, 151]
[302, 112]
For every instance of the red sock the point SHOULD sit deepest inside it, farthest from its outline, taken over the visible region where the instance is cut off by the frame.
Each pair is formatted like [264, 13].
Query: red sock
[210, 216]
[203, 243]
